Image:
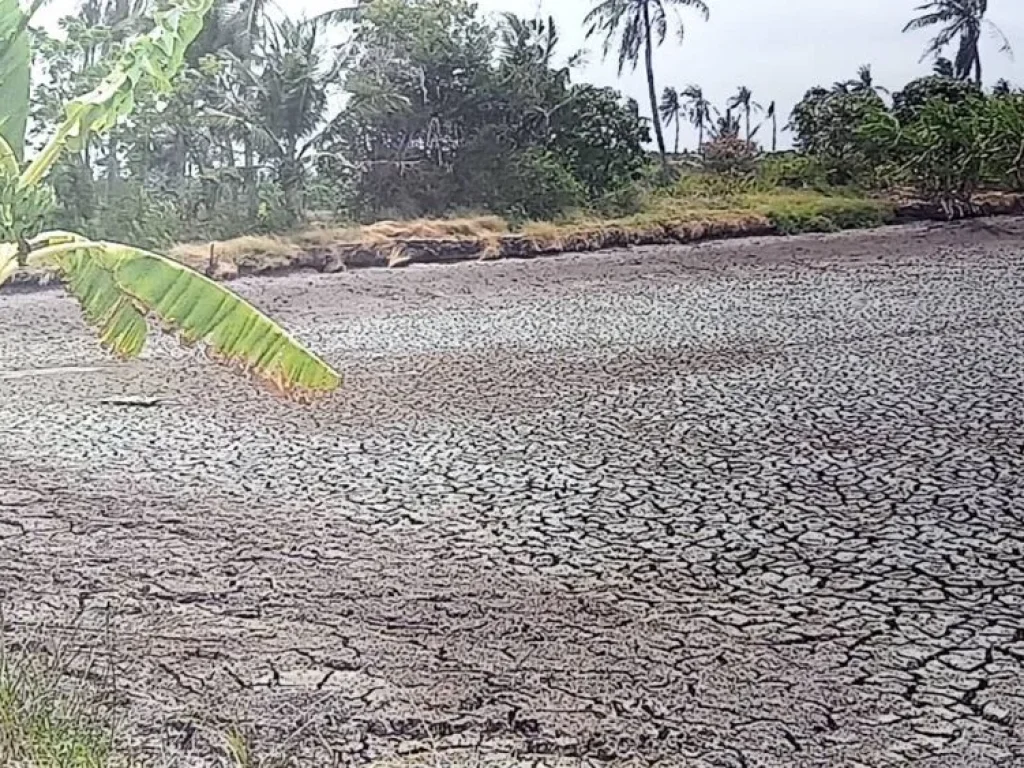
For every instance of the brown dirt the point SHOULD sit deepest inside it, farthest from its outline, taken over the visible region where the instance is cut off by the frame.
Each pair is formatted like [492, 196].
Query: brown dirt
[755, 503]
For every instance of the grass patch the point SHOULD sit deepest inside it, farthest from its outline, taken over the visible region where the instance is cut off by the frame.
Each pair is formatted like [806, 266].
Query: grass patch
[795, 212]
[45, 724]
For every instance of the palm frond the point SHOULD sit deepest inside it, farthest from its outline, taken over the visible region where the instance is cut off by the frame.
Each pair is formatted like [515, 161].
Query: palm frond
[699, 5]
[338, 15]
[1004, 41]
[120, 286]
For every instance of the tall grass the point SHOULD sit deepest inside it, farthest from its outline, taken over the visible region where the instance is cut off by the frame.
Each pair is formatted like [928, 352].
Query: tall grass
[45, 722]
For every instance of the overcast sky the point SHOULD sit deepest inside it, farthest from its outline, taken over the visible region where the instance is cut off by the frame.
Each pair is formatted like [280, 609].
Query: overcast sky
[778, 48]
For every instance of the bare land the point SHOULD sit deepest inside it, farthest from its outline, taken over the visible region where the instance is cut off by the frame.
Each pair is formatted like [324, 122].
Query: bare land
[757, 503]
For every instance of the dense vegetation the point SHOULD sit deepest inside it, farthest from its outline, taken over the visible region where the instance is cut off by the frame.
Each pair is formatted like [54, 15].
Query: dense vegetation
[424, 108]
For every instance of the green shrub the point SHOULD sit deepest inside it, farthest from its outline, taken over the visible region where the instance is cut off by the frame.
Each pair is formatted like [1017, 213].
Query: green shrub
[792, 171]
[940, 148]
[538, 186]
[826, 214]
[826, 126]
[908, 102]
[731, 156]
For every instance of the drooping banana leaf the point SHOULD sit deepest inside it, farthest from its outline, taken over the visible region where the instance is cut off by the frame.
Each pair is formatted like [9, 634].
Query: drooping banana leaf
[15, 67]
[8, 261]
[8, 159]
[119, 287]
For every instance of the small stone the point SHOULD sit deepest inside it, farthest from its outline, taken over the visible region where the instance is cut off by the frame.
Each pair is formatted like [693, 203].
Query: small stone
[996, 713]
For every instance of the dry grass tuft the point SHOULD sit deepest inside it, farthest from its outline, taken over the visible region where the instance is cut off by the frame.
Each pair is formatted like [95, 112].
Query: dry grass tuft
[238, 250]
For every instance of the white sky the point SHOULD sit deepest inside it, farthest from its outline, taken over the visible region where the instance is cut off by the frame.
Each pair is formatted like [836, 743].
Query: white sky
[778, 48]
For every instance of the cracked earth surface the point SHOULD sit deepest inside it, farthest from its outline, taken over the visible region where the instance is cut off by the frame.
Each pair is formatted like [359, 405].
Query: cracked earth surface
[756, 503]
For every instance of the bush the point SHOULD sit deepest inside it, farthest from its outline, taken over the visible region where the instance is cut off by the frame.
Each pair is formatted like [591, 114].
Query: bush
[792, 171]
[600, 137]
[908, 103]
[940, 148]
[538, 186]
[1005, 166]
[826, 126]
[825, 214]
[730, 156]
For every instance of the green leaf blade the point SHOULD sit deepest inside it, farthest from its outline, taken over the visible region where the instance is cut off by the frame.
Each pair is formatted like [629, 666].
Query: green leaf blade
[15, 70]
[200, 309]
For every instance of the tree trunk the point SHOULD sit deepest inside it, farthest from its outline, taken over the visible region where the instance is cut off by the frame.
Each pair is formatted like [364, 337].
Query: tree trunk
[700, 136]
[651, 90]
[746, 117]
[977, 63]
[249, 178]
[675, 151]
[113, 165]
[775, 133]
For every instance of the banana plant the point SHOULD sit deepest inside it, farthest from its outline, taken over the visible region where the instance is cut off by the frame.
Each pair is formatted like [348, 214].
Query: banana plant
[122, 288]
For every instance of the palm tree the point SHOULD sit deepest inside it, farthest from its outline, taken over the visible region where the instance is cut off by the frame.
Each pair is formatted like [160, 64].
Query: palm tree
[863, 83]
[283, 107]
[943, 67]
[726, 126]
[698, 111]
[743, 100]
[775, 127]
[671, 110]
[962, 20]
[638, 25]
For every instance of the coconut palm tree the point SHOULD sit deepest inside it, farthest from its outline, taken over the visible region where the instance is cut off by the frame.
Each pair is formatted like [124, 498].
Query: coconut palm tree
[770, 113]
[864, 82]
[725, 126]
[698, 110]
[635, 27]
[284, 104]
[961, 20]
[943, 67]
[743, 101]
[671, 110]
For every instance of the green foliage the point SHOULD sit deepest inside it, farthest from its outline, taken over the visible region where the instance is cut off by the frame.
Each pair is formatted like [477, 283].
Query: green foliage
[730, 156]
[939, 151]
[791, 216]
[915, 94]
[599, 136]
[447, 113]
[825, 126]
[118, 285]
[792, 170]
[948, 148]
[45, 725]
[1006, 123]
[23, 210]
[540, 184]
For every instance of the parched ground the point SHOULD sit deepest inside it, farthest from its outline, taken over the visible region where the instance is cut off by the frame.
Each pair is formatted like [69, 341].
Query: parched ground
[757, 503]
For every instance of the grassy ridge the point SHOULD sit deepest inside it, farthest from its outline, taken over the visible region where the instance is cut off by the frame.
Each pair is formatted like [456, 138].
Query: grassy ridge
[687, 212]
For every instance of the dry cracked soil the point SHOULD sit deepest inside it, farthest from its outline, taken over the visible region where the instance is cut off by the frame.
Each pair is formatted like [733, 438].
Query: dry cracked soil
[756, 503]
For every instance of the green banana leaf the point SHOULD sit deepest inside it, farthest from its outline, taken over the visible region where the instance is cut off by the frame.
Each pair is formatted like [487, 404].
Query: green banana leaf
[15, 67]
[120, 287]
